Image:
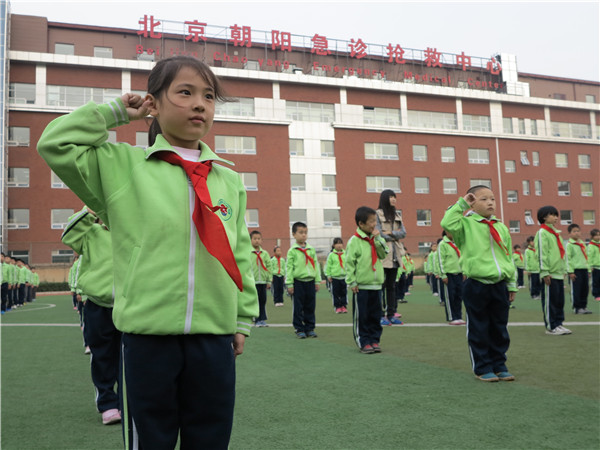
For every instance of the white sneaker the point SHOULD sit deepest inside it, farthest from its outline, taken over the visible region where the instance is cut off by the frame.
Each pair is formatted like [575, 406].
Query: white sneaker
[564, 330]
[555, 332]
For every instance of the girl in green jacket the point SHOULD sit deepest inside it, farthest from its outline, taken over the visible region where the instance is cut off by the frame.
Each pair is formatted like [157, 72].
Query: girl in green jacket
[185, 319]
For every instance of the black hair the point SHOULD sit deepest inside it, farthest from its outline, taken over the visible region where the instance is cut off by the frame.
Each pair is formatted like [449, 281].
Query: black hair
[545, 211]
[389, 211]
[337, 240]
[444, 233]
[594, 232]
[298, 225]
[163, 74]
[275, 248]
[363, 213]
[254, 232]
[3, 254]
[516, 246]
[573, 225]
[531, 239]
[439, 240]
[477, 187]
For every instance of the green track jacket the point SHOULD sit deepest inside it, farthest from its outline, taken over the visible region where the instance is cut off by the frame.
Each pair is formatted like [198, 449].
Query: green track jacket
[575, 258]
[548, 253]
[261, 276]
[532, 263]
[165, 280]
[298, 268]
[481, 257]
[278, 266]
[593, 250]
[333, 268]
[93, 243]
[359, 269]
[448, 259]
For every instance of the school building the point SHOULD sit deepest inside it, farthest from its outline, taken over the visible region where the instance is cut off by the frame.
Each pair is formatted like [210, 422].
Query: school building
[319, 127]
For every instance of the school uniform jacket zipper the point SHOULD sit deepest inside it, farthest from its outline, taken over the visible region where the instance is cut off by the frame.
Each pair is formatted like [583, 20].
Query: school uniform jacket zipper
[191, 261]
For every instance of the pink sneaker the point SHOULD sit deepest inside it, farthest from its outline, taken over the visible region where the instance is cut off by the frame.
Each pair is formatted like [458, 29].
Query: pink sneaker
[111, 416]
[338, 310]
[344, 309]
[397, 315]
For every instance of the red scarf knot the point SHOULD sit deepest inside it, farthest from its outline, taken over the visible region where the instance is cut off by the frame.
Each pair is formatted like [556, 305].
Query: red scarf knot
[495, 234]
[208, 225]
[340, 259]
[308, 257]
[560, 246]
[582, 247]
[259, 260]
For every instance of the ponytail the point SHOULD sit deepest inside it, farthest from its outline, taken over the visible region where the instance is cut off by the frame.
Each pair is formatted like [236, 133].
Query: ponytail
[153, 131]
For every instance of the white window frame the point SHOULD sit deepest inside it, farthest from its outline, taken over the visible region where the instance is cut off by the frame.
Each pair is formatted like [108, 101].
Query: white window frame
[380, 183]
[11, 224]
[512, 196]
[55, 224]
[482, 156]
[422, 190]
[426, 222]
[250, 222]
[589, 193]
[510, 166]
[331, 223]
[447, 159]
[235, 145]
[564, 193]
[447, 190]
[326, 186]
[12, 182]
[250, 180]
[417, 148]
[297, 186]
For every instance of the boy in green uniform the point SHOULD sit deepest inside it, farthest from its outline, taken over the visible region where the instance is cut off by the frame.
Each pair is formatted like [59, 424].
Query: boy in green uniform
[261, 269]
[278, 272]
[364, 277]
[519, 261]
[303, 277]
[452, 278]
[593, 251]
[578, 270]
[335, 271]
[490, 284]
[532, 267]
[550, 249]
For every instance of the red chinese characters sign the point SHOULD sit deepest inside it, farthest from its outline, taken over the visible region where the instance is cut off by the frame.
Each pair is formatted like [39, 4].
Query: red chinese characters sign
[241, 36]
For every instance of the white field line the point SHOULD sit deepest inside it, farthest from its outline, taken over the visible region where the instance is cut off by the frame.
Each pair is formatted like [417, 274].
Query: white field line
[326, 325]
[32, 307]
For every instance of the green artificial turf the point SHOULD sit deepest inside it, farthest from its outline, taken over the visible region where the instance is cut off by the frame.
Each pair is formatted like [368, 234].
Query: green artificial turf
[322, 393]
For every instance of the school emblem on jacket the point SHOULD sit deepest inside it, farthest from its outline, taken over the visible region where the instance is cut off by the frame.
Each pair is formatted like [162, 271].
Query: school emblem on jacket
[224, 211]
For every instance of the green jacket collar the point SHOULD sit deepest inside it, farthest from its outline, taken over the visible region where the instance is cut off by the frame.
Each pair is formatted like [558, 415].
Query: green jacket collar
[206, 154]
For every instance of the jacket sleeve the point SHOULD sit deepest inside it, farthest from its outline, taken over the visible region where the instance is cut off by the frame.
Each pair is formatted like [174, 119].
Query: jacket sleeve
[453, 220]
[248, 298]
[351, 258]
[69, 146]
[328, 265]
[269, 265]
[317, 270]
[76, 230]
[570, 257]
[381, 247]
[544, 253]
[511, 279]
[289, 268]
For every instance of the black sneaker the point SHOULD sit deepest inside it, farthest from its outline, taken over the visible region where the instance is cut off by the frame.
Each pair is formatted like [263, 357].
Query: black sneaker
[300, 334]
[311, 334]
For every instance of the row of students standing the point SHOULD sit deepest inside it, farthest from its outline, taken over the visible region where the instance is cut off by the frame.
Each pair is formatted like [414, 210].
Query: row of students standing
[19, 283]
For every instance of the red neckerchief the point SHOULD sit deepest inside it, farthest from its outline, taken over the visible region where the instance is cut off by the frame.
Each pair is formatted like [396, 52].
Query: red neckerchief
[582, 247]
[597, 245]
[495, 234]
[308, 258]
[278, 264]
[371, 242]
[560, 246]
[208, 225]
[532, 249]
[259, 259]
[520, 256]
[454, 247]
[339, 255]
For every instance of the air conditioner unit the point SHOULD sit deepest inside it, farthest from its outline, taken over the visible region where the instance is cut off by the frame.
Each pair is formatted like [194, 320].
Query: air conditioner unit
[423, 223]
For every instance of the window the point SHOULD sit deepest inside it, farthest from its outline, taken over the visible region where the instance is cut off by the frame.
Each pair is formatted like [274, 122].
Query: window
[297, 147]
[524, 159]
[448, 155]
[241, 107]
[566, 217]
[18, 219]
[245, 145]
[423, 217]
[421, 185]
[480, 181]
[374, 150]
[252, 65]
[60, 218]
[309, 112]
[534, 128]
[537, 184]
[298, 182]
[252, 218]
[510, 166]
[590, 98]
[74, 96]
[450, 186]
[419, 152]
[103, 52]
[479, 156]
[250, 180]
[564, 188]
[557, 96]
[476, 123]
[18, 137]
[430, 119]
[589, 217]
[379, 184]
[55, 182]
[64, 49]
[331, 217]
[512, 196]
[18, 177]
[62, 256]
[529, 218]
[585, 161]
[507, 126]
[526, 187]
[514, 226]
[141, 139]
[586, 189]
[424, 247]
[561, 160]
[381, 116]
[521, 126]
[328, 182]
[535, 157]
[571, 130]
[21, 93]
[327, 149]
[297, 215]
